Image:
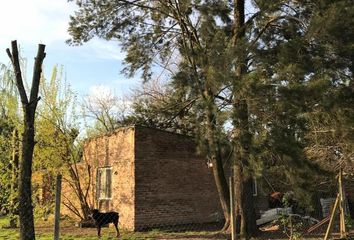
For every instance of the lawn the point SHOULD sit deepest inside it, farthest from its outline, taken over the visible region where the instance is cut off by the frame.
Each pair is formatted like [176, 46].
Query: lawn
[44, 231]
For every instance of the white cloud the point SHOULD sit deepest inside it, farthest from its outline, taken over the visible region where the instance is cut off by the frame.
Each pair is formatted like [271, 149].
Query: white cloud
[100, 91]
[33, 21]
[46, 21]
[103, 50]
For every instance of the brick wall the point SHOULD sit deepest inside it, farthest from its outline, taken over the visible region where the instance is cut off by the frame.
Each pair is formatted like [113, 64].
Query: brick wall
[157, 179]
[115, 150]
[173, 185]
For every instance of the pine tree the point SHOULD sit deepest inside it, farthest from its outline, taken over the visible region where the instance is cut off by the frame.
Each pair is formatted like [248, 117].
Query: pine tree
[154, 31]
[262, 70]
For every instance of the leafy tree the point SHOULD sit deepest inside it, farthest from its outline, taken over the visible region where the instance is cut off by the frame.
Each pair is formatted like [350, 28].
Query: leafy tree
[6, 129]
[61, 154]
[7, 113]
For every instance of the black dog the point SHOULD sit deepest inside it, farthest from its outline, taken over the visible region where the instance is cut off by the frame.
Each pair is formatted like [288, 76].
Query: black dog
[105, 218]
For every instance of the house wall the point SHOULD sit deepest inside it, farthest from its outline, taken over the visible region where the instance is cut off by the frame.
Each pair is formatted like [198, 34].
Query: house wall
[173, 185]
[115, 150]
[157, 179]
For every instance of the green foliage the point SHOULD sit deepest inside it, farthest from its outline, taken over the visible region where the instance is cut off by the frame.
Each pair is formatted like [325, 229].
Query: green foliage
[5, 173]
[161, 106]
[349, 222]
[56, 124]
[43, 211]
[9, 120]
[292, 227]
[301, 90]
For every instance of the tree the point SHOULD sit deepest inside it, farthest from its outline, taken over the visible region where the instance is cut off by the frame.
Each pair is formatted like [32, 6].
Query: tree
[261, 66]
[331, 117]
[29, 106]
[160, 30]
[63, 153]
[10, 151]
[105, 109]
[301, 59]
[162, 106]
[7, 193]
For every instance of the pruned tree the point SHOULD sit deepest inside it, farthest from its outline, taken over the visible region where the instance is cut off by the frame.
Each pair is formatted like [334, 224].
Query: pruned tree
[29, 105]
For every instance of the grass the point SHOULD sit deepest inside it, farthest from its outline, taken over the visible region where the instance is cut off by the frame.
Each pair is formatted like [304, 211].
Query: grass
[44, 231]
[68, 231]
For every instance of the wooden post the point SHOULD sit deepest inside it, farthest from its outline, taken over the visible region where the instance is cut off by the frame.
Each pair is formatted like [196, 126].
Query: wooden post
[57, 207]
[343, 232]
[332, 217]
[232, 211]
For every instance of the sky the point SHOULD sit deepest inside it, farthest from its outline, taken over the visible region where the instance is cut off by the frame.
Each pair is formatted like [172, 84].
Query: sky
[90, 68]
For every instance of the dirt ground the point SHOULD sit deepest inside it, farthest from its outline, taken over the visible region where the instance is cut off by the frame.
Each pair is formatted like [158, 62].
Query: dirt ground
[68, 231]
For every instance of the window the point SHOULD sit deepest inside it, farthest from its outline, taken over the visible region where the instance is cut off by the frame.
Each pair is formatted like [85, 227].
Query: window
[104, 183]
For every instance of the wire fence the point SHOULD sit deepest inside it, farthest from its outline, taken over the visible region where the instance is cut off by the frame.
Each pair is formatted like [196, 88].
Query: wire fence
[59, 213]
[173, 220]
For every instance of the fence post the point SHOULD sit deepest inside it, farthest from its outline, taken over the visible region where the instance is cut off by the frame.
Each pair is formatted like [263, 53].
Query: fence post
[57, 207]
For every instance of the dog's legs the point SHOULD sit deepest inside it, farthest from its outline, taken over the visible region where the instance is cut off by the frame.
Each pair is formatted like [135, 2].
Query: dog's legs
[116, 226]
[99, 231]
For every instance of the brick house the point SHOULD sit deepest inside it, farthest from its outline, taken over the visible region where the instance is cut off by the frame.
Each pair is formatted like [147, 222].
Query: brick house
[152, 178]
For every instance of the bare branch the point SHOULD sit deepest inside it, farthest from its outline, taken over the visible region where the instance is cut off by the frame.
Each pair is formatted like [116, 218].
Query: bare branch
[14, 57]
[37, 71]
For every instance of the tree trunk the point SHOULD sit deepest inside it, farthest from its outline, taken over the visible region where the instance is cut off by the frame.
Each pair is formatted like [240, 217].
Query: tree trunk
[218, 170]
[243, 177]
[190, 42]
[29, 109]
[242, 135]
[74, 175]
[25, 185]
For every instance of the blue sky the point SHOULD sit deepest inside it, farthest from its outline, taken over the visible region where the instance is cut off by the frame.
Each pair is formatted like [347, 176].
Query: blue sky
[95, 65]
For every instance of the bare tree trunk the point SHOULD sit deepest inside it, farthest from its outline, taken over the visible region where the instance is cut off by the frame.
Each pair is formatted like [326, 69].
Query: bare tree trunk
[29, 109]
[242, 135]
[77, 187]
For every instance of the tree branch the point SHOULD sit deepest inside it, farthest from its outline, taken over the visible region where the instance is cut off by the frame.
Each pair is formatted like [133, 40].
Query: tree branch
[16, 65]
[37, 70]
